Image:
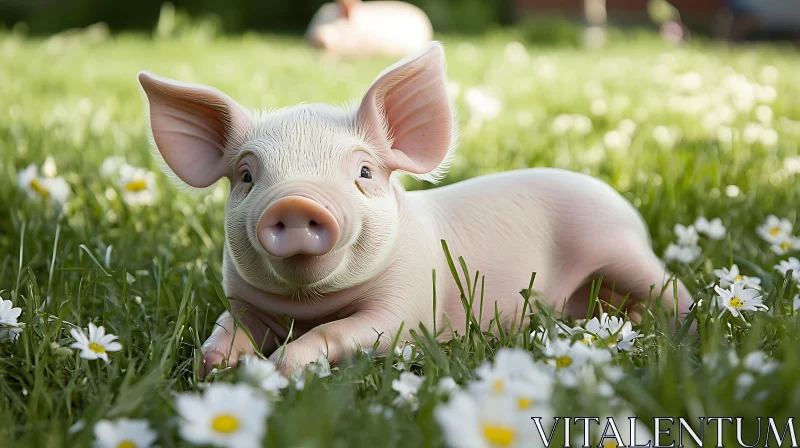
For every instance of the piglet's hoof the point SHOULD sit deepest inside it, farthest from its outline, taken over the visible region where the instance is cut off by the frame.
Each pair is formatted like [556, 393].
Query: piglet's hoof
[211, 360]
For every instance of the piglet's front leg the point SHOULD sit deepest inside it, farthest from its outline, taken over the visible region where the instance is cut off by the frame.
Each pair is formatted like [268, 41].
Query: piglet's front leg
[229, 341]
[338, 340]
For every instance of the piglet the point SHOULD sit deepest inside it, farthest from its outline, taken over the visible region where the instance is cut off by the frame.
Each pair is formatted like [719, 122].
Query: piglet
[353, 28]
[321, 235]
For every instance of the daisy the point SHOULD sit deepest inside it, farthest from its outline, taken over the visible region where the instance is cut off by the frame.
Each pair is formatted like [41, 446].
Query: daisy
[97, 345]
[406, 356]
[263, 374]
[712, 229]
[54, 189]
[9, 327]
[737, 299]
[446, 385]
[758, 362]
[623, 334]
[568, 360]
[785, 243]
[321, 369]
[137, 185]
[226, 415]
[123, 433]
[727, 277]
[491, 421]
[774, 229]
[682, 254]
[515, 373]
[111, 165]
[687, 235]
[407, 387]
[482, 105]
[793, 265]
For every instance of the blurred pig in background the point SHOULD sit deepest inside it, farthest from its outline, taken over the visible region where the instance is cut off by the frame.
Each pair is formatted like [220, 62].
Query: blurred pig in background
[356, 28]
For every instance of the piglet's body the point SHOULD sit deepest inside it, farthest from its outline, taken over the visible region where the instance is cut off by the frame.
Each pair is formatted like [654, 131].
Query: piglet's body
[321, 234]
[353, 28]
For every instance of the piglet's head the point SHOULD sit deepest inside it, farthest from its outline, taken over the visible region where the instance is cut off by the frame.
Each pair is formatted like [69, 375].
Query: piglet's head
[312, 206]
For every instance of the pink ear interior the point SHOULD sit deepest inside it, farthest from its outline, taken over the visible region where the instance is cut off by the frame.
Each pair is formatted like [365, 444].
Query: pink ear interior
[192, 127]
[347, 6]
[408, 106]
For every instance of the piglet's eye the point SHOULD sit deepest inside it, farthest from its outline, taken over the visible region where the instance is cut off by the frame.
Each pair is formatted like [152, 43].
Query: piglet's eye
[247, 177]
[365, 173]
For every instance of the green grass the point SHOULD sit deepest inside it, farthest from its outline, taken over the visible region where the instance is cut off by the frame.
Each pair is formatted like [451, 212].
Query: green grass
[77, 101]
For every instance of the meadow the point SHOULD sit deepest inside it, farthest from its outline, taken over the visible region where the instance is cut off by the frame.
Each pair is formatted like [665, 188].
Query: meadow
[94, 234]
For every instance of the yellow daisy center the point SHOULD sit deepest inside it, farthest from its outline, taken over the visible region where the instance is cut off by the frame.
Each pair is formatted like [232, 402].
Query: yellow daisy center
[524, 403]
[739, 278]
[498, 386]
[736, 302]
[588, 339]
[563, 362]
[786, 245]
[225, 423]
[39, 188]
[136, 185]
[775, 231]
[498, 435]
[126, 444]
[97, 348]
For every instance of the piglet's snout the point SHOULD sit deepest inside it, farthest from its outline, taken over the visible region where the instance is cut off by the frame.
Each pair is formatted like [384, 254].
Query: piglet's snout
[296, 225]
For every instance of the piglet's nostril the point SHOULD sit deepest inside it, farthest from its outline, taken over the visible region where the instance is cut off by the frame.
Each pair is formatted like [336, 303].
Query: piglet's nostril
[297, 225]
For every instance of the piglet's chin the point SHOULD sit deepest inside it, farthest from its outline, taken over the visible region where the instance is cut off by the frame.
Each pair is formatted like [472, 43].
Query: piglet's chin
[307, 271]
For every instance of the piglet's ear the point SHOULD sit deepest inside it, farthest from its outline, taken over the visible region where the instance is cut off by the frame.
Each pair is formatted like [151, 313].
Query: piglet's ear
[347, 6]
[192, 127]
[406, 113]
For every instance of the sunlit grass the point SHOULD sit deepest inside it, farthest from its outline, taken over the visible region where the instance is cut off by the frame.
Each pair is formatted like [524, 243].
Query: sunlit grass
[140, 271]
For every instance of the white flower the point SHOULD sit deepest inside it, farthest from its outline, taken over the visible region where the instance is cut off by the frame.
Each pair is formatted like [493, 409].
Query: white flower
[616, 139]
[137, 185]
[737, 299]
[9, 327]
[627, 127]
[490, 421]
[321, 369]
[743, 384]
[49, 168]
[54, 189]
[123, 433]
[514, 372]
[727, 277]
[682, 254]
[784, 244]
[264, 374]
[758, 361]
[793, 265]
[446, 385]
[407, 387]
[483, 106]
[774, 229]
[111, 165]
[664, 137]
[796, 303]
[581, 124]
[561, 124]
[687, 235]
[568, 361]
[611, 331]
[97, 345]
[406, 356]
[226, 415]
[712, 229]
[764, 114]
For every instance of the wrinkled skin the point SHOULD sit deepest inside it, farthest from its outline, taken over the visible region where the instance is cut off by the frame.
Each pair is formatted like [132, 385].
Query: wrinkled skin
[356, 261]
[353, 28]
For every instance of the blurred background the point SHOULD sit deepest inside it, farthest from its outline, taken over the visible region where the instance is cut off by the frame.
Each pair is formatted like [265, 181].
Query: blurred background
[549, 19]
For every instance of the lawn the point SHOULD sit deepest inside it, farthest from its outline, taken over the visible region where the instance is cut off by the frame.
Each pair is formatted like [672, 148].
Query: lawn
[700, 131]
